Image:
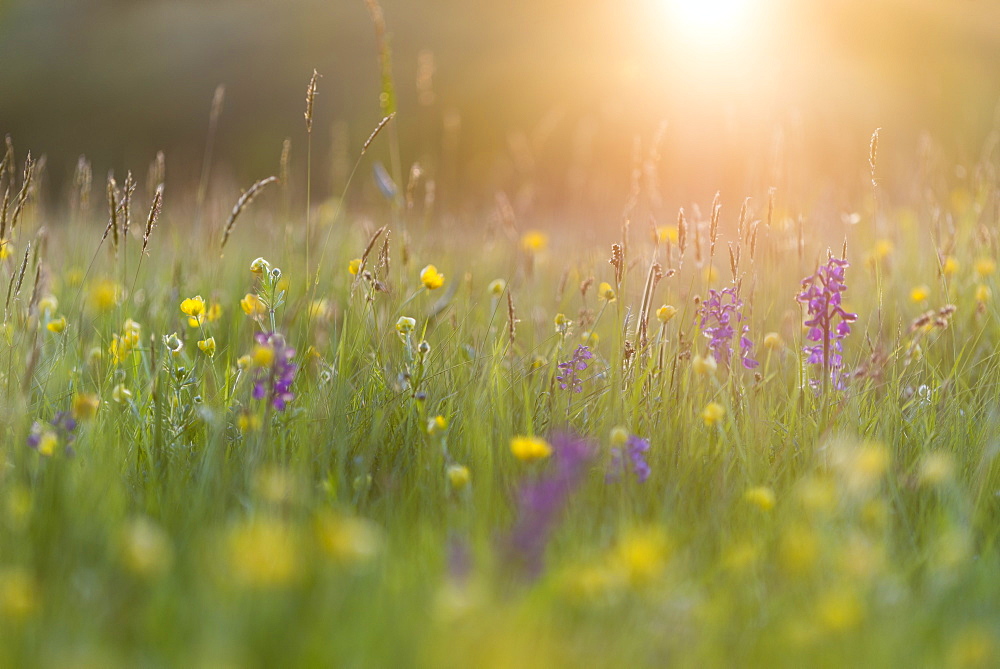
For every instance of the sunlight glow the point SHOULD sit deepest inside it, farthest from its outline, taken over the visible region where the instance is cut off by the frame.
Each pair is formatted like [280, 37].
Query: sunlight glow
[708, 20]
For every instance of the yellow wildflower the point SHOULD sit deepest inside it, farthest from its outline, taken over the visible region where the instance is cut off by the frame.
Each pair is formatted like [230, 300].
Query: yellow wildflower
[354, 266]
[48, 304]
[207, 346]
[590, 338]
[244, 362]
[405, 324]
[606, 292]
[773, 341]
[798, 550]
[949, 266]
[248, 422]
[262, 553]
[57, 325]
[260, 267]
[713, 413]
[253, 306]
[919, 293]
[936, 468]
[214, 312]
[173, 343]
[146, 549]
[437, 425]
[47, 442]
[458, 476]
[665, 313]
[5, 249]
[104, 295]
[262, 356]
[347, 539]
[534, 241]
[668, 233]
[85, 406]
[704, 366]
[193, 306]
[528, 449]
[641, 555]
[431, 278]
[121, 394]
[973, 647]
[319, 309]
[840, 609]
[496, 287]
[985, 266]
[983, 293]
[760, 496]
[883, 249]
[18, 593]
[619, 435]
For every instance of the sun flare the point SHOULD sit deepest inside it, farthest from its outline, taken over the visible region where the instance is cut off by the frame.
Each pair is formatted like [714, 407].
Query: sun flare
[707, 20]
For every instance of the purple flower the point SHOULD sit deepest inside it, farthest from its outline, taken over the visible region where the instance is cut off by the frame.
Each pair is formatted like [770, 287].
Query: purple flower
[828, 323]
[64, 429]
[635, 448]
[568, 377]
[274, 381]
[720, 315]
[542, 500]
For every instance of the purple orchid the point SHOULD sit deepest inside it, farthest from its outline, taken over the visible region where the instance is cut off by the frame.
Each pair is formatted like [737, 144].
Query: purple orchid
[543, 499]
[720, 316]
[828, 322]
[636, 449]
[568, 377]
[274, 382]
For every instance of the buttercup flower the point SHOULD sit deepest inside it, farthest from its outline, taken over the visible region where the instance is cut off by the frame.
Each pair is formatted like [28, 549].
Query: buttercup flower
[253, 306]
[458, 476]
[207, 346]
[760, 496]
[57, 325]
[528, 449]
[534, 241]
[260, 267]
[85, 406]
[713, 413]
[431, 278]
[704, 366]
[194, 307]
[606, 292]
[919, 293]
[773, 341]
[665, 313]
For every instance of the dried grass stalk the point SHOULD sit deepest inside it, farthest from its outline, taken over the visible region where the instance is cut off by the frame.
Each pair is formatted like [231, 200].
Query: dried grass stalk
[246, 198]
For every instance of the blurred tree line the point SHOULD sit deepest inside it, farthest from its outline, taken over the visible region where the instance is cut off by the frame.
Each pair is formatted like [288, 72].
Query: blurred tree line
[546, 95]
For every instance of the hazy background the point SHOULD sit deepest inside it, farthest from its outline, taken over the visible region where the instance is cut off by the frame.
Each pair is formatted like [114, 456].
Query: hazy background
[542, 98]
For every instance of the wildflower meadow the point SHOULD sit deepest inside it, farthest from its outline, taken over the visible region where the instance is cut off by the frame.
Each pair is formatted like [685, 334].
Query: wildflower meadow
[277, 426]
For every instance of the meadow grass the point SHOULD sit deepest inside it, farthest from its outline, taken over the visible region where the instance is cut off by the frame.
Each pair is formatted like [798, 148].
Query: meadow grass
[216, 452]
